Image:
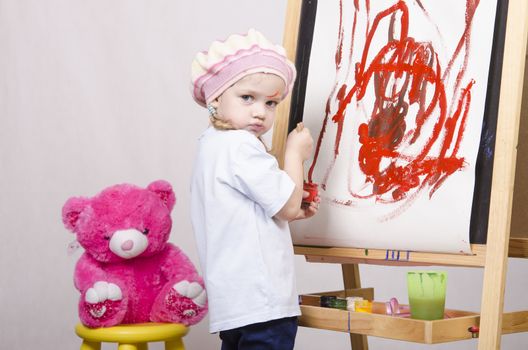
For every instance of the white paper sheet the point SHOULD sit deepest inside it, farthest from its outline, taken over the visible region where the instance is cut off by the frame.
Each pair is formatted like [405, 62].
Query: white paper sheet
[414, 188]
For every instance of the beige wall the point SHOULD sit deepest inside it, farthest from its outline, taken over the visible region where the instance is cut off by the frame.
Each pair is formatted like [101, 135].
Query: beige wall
[94, 93]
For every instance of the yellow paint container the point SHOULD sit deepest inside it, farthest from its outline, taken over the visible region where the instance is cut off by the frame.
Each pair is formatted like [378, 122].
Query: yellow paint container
[363, 306]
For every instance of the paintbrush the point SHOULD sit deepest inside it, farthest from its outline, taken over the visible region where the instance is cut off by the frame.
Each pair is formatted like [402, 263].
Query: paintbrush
[310, 187]
[299, 127]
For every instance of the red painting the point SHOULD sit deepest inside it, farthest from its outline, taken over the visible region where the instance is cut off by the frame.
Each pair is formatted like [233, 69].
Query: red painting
[402, 114]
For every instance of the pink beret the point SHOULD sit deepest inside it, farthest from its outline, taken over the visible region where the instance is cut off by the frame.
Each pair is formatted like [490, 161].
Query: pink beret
[228, 61]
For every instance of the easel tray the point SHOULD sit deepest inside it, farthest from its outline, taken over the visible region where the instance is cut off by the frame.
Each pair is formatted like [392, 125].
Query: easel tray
[456, 325]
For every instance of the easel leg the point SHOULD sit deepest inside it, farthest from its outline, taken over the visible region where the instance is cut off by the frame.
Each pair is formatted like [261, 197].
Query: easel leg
[351, 280]
[503, 176]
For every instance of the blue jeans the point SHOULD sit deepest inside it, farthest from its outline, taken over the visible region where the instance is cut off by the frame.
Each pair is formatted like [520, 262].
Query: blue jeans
[272, 335]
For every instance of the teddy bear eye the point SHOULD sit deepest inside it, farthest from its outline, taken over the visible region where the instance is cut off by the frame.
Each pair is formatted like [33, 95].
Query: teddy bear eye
[146, 231]
[107, 238]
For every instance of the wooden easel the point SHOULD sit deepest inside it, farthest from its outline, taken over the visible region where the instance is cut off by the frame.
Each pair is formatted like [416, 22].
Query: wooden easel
[507, 230]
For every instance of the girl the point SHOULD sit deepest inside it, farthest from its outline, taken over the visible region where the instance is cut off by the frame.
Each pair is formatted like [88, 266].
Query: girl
[241, 202]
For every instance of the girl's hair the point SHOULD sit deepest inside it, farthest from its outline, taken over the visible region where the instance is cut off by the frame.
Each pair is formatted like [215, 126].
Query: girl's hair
[220, 124]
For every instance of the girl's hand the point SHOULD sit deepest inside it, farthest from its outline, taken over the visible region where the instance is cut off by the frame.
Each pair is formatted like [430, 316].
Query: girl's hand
[300, 143]
[308, 210]
[298, 149]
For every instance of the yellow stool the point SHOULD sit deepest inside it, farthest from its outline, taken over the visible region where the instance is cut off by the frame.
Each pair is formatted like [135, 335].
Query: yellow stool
[133, 336]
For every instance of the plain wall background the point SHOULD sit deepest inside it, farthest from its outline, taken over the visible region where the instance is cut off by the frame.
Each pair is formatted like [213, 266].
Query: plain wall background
[94, 93]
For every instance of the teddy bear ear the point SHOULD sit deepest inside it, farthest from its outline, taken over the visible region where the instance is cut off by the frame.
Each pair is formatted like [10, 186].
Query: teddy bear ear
[164, 191]
[71, 211]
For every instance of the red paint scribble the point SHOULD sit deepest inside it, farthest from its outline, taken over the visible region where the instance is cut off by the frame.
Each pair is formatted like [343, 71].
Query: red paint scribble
[275, 94]
[405, 74]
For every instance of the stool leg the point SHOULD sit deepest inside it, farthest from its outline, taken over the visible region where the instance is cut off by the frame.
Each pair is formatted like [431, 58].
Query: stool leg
[127, 347]
[88, 345]
[142, 346]
[176, 344]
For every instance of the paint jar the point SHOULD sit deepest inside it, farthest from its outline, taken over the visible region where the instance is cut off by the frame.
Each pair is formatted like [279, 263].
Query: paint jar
[312, 189]
[351, 303]
[363, 306]
[427, 290]
[326, 300]
[338, 303]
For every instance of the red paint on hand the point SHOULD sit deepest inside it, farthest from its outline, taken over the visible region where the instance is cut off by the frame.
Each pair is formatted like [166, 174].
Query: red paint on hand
[312, 189]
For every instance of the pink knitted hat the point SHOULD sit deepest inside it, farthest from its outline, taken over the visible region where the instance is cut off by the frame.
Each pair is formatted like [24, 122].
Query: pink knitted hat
[228, 61]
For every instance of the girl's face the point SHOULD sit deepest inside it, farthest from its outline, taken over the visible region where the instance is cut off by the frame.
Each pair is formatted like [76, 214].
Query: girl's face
[250, 104]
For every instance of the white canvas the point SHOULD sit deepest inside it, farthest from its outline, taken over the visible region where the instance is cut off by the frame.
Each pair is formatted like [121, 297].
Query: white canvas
[415, 188]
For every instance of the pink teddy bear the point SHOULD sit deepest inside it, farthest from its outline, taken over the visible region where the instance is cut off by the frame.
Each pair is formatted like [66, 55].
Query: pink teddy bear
[129, 273]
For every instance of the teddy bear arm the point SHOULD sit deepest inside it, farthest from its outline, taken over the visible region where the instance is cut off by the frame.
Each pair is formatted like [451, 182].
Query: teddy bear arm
[101, 302]
[177, 266]
[184, 298]
[87, 272]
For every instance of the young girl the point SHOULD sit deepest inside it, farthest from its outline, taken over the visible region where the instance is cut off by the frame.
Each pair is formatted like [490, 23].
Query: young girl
[241, 202]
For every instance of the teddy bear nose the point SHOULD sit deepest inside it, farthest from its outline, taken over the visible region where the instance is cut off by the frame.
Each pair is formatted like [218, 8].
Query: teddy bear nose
[127, 245]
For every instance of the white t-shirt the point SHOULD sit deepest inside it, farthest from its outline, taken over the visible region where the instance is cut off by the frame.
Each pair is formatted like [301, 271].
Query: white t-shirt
[246, 255]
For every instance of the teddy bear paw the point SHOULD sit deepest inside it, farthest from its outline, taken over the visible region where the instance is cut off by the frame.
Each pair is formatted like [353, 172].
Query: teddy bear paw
[182, 302]
[191, 290]
[100, 297]
[187, 300]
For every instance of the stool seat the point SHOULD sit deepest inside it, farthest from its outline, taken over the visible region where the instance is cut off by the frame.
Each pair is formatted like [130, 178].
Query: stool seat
[133, 336]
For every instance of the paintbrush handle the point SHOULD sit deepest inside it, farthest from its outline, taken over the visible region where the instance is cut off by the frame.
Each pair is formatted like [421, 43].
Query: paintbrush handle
[299, 127]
